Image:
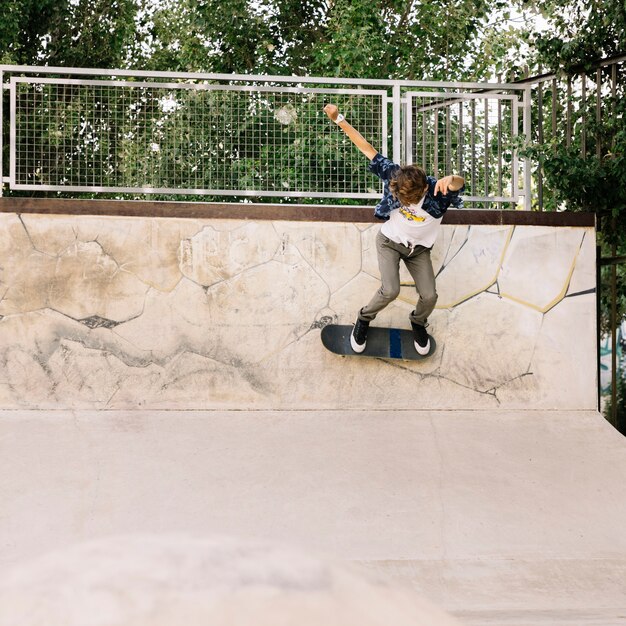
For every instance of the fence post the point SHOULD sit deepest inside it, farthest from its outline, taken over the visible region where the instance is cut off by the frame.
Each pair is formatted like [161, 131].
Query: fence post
[540, 139]
[408, 130]
[583, 121]
[614, 322]
[527, 131]
[1, 131]
[598, 112]
[12, 131]
[396, 123]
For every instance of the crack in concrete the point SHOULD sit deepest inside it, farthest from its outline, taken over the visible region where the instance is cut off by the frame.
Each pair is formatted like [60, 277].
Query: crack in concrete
[496, 292]
[507, 382]
[233, 277]
[486, 392]
[95, 321]
[445, 262]
[84, 321]
[32, 243]
[110, 256]
[287, 345]
[4, 294]
[437, 376]
[447, 252]
[536, 343]
[117, 390]
[243, 368]
[19, 217]
[106, 253]
[585, 292]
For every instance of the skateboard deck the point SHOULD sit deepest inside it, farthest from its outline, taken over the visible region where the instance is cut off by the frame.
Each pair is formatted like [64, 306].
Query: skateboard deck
[385, 343]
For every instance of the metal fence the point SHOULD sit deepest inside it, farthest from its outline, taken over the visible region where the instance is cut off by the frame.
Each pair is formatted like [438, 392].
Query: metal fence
[124, 132]
[469, 133]
[569, 110]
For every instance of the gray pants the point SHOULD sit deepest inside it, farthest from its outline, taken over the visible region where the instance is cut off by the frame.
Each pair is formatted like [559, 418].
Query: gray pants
[420, 267]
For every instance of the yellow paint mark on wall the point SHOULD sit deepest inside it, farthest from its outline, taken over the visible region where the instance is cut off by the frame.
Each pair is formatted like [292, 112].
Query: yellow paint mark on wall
[474, 293]
[558, 298]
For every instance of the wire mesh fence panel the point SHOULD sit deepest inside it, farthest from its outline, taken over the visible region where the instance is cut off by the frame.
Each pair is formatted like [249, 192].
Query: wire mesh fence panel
[472, 135]
[90, 135]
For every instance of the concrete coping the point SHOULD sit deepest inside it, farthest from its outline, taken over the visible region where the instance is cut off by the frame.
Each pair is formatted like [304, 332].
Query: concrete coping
[266, 211]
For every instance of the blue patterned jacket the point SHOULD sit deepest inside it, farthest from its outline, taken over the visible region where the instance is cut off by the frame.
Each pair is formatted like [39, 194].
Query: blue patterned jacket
[435, 205]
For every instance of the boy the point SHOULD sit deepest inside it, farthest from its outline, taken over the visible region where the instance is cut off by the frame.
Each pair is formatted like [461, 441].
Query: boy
[412, 206]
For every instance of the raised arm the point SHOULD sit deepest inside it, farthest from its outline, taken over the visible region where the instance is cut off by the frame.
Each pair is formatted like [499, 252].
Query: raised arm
[355, 137]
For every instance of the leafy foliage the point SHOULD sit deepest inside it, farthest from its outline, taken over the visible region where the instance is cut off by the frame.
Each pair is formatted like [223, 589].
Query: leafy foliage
[82, 33]
[580, 33]
[620, 404]
[349, 38]
[23, 27]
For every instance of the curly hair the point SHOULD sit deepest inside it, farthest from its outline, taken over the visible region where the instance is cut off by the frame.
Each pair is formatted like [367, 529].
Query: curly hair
[409, 184]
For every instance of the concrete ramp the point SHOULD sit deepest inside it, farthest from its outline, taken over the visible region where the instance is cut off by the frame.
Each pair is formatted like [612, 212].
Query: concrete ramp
[506, 517]
[139, 313]
[167, 375]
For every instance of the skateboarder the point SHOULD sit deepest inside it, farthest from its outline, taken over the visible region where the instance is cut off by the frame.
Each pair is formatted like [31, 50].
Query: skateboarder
[412, 207]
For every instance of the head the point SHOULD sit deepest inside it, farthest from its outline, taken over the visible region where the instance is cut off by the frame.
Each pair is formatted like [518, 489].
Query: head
[409, 185]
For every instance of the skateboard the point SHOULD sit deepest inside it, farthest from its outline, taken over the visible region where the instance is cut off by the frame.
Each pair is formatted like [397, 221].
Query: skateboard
[385, 343]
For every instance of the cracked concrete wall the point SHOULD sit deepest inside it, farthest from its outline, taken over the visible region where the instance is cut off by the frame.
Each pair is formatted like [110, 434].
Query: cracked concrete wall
[118, 313]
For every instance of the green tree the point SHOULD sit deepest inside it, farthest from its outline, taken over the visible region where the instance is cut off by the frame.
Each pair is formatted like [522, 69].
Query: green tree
[407, 39]
[83, 33]
[239, 36]
[350, 38]
[580, 32]
[91, 33]
[23, 28]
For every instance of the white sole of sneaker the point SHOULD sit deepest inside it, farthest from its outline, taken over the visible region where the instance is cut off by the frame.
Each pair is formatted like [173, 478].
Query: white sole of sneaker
[355, 346]
[423, 351]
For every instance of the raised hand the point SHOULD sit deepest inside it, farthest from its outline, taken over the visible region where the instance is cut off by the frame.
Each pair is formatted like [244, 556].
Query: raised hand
[332, 111]
[443, 184]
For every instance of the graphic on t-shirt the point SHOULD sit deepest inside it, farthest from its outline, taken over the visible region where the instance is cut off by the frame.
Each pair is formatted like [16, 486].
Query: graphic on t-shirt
[406, 212]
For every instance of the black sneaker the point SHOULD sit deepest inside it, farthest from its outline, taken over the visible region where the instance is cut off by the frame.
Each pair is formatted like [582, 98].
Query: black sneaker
[358, 336]
[421, 339]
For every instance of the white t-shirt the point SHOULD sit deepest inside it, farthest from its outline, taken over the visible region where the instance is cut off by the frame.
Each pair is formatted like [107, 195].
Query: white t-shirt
[412, 226]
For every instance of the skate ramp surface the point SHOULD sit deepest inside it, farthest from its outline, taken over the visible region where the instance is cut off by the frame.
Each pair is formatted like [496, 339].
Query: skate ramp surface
[505, 517]
[167, 376]
[138, 313]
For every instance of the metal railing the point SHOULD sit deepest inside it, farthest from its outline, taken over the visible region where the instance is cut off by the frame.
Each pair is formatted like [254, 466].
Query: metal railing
[569, 109]
[470, 133]
[125, 132]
